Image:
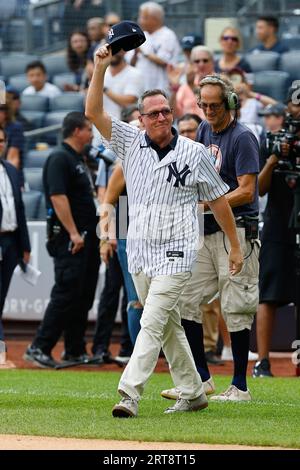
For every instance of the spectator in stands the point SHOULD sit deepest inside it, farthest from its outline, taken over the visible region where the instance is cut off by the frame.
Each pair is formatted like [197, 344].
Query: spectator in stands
[274, 117]
[111, 18]
[37, 77]
[160, 49]
[73, 246]
[13, 96]
[183, 98]
[266, 32]
[97, 30]
[15, 138]
[251, 103]
[123, 84]
[203, 62]
[188, 42]
[14, 238]
[77, 53]
[188, 125]
[231, 42]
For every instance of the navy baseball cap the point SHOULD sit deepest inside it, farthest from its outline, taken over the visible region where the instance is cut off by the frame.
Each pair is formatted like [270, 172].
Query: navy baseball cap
[125, 35]
[278, 109]
[13, 91]
[191, 40]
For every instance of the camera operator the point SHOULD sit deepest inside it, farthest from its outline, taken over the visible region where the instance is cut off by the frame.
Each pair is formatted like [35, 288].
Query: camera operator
[277, 281]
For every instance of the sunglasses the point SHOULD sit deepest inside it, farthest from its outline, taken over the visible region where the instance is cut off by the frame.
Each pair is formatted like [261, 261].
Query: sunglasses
[212, 106]
[198, 61]
[154, 114]
[230, 38]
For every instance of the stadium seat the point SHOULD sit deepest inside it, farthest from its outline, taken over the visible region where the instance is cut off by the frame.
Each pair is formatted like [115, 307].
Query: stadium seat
[290, 62]
[42, 211]
[272, 83]
[263, 61]
[55, 64]
[292, 41]
[19, 82]
[68, 101]
[62, 78]
[34, 103]
[32, 200]
[52, 118]
[15, 64]
[36, 158]
[34, 178]
[36, 118]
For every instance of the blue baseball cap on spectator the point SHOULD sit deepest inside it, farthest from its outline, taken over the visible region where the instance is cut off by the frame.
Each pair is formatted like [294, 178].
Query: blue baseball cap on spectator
[13, 91]
[191, 40]
[278, 109]
[125, 35]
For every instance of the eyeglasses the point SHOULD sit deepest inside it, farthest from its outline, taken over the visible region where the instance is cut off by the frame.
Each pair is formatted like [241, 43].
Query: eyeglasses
[212, 106]
[154, 114]
[198, 61]
[230, 38]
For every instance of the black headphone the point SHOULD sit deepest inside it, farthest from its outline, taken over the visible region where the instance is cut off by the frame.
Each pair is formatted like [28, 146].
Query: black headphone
[231, 98]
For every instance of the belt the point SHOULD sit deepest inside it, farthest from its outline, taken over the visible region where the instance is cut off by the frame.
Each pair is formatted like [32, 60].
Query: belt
[7, 232]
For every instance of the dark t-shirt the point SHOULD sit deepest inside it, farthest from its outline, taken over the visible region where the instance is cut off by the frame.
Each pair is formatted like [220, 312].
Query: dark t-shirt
[279, 47]
[277, 215]
[242, 65]
[65, 173]
[234, 153]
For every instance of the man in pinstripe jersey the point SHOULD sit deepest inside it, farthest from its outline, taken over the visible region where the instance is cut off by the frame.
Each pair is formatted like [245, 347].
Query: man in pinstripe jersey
[165, 175]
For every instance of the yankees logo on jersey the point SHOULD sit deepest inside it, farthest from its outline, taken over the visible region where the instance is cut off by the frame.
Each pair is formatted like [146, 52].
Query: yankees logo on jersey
[180, 176]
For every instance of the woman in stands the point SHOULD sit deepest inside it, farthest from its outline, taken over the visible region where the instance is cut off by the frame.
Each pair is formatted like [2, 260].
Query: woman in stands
[231, 42]
[77, 51]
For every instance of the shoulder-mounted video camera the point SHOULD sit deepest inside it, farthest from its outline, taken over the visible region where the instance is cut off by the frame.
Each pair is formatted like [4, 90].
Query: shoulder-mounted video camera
[290, 134]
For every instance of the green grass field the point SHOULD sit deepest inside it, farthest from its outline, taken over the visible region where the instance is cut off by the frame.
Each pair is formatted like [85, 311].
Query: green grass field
[78, 404]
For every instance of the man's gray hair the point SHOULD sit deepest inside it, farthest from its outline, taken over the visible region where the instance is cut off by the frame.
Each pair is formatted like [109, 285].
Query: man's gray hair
[154, 9]
[197, 49]
[222, 82]
[148, 93]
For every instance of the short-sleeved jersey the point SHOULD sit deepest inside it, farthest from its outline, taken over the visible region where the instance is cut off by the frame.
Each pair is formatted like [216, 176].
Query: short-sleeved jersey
[65, 173]
[162, 195]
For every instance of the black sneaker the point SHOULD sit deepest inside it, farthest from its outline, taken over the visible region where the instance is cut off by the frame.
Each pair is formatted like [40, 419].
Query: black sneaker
[39, 358]
[102, 357]
[212, 359]
[262, 369]
[81, 358]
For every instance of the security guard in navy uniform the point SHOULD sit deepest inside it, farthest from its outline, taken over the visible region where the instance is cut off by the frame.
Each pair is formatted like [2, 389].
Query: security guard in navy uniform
[73, 244]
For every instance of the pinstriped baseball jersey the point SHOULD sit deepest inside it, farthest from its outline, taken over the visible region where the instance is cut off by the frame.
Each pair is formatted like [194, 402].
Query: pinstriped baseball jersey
[162, 196]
